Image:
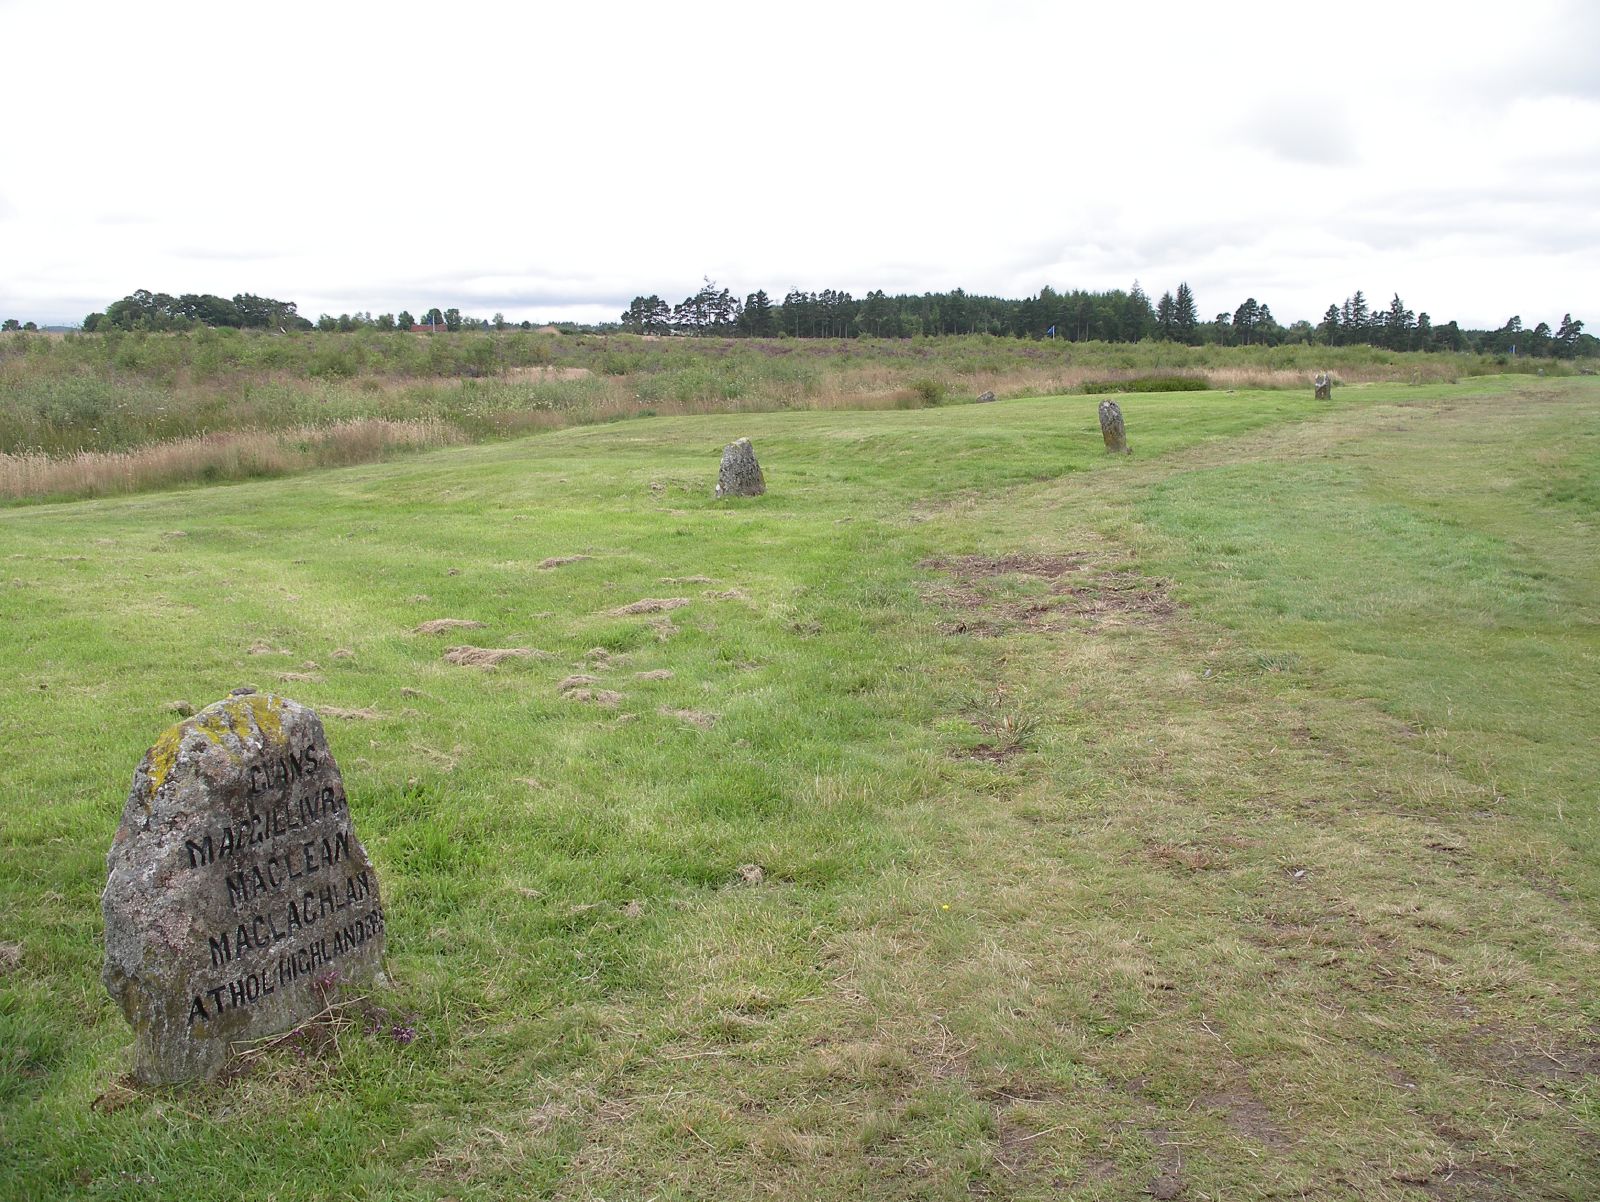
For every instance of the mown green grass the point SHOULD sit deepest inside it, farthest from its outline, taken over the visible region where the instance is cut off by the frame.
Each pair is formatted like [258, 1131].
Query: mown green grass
[1289, 889]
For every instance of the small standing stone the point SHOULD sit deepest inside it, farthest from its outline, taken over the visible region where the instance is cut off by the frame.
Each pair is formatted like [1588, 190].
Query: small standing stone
[985, 397]
[1111, 428]
[740, 475]
[237, 892]
[1324, 385]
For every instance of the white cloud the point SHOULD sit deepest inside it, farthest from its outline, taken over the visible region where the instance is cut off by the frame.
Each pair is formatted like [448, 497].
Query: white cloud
[554, 162]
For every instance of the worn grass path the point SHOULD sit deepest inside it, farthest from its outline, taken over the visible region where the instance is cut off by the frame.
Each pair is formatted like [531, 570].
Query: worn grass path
[1215, 823]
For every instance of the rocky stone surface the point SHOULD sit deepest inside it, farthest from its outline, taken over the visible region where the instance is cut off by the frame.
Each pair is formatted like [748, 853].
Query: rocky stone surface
[740, 475]
[237, 894]
[1111, 428]
[1324, 386]
[985, 397]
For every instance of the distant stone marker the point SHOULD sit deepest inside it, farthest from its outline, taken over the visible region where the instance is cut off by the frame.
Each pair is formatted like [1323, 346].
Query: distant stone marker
[985, 397]
[1111, 428]
[740, 475]
[1324, 385]
[237, 891]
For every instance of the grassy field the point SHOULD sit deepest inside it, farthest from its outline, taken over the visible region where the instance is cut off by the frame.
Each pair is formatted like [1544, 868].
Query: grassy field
[995, 818]
[102, 414]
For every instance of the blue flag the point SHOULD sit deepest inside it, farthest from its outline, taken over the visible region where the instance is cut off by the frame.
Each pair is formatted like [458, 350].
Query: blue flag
[1051, 331]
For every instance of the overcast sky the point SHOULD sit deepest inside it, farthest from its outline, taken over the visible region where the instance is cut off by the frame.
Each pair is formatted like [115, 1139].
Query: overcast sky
[553, 161]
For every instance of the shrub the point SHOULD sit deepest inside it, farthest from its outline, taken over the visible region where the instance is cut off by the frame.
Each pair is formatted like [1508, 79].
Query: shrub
[1148, 384]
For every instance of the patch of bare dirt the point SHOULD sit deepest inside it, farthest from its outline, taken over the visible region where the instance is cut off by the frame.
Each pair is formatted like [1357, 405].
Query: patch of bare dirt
[490, 657]
[989, 752]
[1478, 1181]
[442, 625]
[649, 605]
[1531, 1061]
[10, 956]
[1245, 1113]
[1078, 594]
[559, 561]
[1184, 859]
[1168, 1183]
[300, 677]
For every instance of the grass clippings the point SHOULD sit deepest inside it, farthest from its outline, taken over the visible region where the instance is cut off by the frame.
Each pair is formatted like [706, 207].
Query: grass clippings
[605, 697]
[360, 714]
[490, 657]
[442, 625]
[655, 674]
[649, 605]
[559, 561]
[700, 718]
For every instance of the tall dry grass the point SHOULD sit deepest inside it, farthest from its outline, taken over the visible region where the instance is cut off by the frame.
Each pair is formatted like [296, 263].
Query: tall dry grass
[234, 455]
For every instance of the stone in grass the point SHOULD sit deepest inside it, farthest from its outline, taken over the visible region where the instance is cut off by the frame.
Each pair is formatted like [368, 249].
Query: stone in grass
[740, 474]
[1324, 386]
[237, 891]
[1111, 428]
[985, 398]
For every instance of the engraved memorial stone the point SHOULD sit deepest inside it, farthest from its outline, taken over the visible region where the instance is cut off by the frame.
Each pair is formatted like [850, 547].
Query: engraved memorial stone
[237, 891]
[740, 475]
[1111, 428]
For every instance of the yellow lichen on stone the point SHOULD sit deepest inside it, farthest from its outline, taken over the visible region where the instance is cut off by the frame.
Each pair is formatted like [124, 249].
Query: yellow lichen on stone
[255, 715]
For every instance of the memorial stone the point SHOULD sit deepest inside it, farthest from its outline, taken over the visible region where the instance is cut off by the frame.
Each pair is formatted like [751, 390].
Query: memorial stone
[740, 474]
[1324, 386]
[237, 893]
[1111, 428]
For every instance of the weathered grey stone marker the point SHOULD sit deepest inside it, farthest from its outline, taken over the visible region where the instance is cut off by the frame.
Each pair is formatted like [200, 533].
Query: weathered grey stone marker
[985, 397]
[740, 474]
[1324, 385]
[1111, 428]
[237, 892]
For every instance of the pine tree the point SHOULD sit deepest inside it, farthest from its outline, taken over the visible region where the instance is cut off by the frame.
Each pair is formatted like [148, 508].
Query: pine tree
[1244, 320]
[1567, 335]
[1185, 321]
[757, 319]
[1328, 331]
[1397, 325]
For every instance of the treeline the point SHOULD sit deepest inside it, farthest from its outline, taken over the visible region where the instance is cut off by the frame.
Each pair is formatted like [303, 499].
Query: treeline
[1075, 316]
[159, 311]
[1080, 316]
